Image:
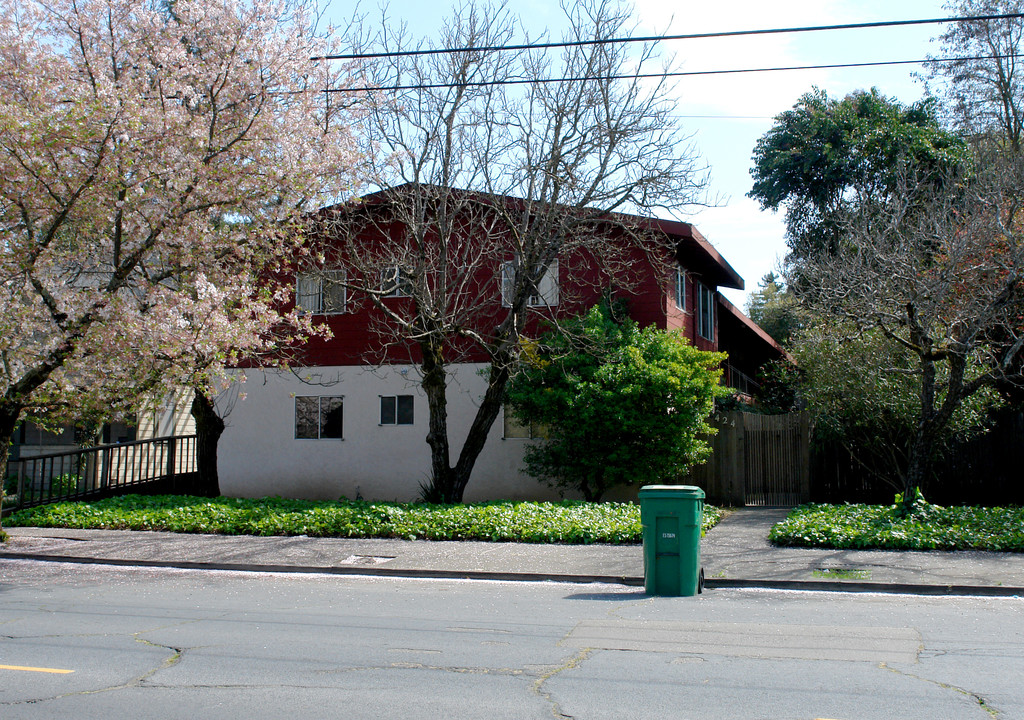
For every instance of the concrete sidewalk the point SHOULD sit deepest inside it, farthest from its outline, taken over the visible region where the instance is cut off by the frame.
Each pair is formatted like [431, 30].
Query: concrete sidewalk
[736, 553]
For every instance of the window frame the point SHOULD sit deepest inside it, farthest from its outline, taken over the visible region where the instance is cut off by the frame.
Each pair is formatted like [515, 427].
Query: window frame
[325, 301]
[530, 431]
[704, 315]
[397, 414]
[396, 277]
[322, 416]
[544, 295]
[680, 288]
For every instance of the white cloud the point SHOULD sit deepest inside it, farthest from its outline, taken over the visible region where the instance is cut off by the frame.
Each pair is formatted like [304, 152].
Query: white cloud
[741, 94]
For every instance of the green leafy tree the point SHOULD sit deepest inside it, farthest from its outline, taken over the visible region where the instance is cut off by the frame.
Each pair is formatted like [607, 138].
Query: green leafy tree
[778, 388]
[620, 405]
[936, 279]
[866, 392]
[775, 309]
[905, 247]
[826, 155]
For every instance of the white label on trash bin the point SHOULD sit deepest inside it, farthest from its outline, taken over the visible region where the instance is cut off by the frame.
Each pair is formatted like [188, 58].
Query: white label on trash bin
[668, 536]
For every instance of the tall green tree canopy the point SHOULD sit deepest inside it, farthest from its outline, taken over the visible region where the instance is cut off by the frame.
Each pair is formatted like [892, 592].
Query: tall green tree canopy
[775, 309]
[906, 249]
[619, 405]
[825, 155]
[929, 284]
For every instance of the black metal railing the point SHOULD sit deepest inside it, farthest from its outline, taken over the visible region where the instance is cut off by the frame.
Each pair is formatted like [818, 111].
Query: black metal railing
[740, 381]
[101, 471]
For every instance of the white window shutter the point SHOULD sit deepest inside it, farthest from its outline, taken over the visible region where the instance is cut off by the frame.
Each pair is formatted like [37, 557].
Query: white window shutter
[508, 282]
[547, 289]
[308, 296]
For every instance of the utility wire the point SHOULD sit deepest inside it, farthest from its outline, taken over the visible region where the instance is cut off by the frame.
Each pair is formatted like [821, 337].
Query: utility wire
[659, 38]
[638, 76]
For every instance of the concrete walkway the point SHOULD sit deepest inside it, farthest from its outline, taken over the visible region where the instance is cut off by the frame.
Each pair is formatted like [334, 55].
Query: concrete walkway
[736, 553]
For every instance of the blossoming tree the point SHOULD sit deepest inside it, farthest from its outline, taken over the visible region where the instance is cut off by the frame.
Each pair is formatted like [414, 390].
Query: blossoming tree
[152, 158]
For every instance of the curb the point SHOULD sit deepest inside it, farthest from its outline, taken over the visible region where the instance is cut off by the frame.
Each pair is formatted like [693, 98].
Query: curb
[869, 587]
[628, 580]
[363, 570]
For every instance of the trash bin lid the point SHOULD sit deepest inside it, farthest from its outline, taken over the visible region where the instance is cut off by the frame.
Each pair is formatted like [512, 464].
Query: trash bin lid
[671, 491]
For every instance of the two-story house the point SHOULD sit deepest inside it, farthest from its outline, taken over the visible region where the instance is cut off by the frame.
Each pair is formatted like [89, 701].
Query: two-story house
[350, 418]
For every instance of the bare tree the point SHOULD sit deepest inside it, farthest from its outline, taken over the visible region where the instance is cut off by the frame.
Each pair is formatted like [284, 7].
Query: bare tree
[492, 166]
[984, 88]
[938, 276]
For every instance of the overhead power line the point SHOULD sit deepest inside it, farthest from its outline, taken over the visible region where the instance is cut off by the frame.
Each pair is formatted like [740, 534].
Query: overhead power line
[639, 76]
[659, 38]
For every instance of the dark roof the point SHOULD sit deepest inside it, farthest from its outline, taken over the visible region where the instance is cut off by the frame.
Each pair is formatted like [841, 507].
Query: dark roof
[753, 327]
[697, 255]
[693, 250]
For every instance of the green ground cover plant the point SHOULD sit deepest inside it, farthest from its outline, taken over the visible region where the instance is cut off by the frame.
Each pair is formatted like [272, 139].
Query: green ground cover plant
[570, 522]
[888, 527]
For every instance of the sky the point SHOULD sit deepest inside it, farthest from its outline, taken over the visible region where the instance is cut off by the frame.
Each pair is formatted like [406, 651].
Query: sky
[726, 114]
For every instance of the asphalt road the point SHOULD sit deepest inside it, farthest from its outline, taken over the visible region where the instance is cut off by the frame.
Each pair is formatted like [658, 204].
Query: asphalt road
[199, 644]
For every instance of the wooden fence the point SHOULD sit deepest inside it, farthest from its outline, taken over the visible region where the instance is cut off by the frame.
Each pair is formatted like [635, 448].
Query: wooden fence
[757, 460]
[767, 460]
[981, 470]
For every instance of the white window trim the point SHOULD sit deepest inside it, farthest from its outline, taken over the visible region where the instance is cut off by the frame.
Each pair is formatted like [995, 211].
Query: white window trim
[680, 288]
[396, 423]
[704, 314]
[319, 417]
[546, 294]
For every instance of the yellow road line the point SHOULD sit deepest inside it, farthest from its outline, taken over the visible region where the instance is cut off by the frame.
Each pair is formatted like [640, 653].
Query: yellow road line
[35, 669]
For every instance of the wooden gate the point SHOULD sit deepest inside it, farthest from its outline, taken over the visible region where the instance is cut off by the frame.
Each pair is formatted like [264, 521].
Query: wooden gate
[757, 460]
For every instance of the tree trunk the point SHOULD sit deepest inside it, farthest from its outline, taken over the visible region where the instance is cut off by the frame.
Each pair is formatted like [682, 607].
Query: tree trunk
[9, 416]
[920, 452]
[209, 428]
[448, 484]
[918, 463]
[486, 414]
[588, 493]
[435, 386]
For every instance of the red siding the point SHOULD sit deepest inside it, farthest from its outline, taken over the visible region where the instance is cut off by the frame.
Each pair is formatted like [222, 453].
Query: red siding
[359, 335]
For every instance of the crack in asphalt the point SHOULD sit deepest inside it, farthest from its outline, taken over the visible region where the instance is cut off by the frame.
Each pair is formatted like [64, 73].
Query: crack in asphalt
[572, 662]
[980, 699]
[170, 662]
[138, 681]
[510, 672]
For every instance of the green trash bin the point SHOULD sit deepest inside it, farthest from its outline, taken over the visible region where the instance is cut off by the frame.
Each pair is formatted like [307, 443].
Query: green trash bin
[671, 517]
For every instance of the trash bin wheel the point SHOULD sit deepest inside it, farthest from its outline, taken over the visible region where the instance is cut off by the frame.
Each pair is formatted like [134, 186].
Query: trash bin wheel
[700, 582]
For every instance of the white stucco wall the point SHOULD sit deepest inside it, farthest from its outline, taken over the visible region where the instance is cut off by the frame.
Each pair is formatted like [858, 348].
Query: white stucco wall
[259, 454]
